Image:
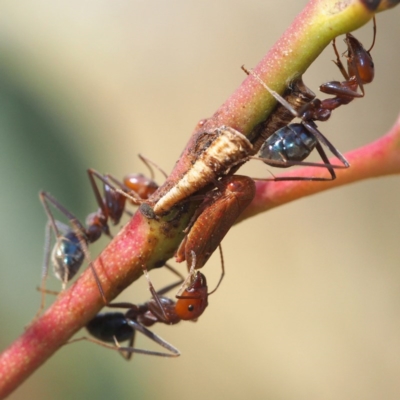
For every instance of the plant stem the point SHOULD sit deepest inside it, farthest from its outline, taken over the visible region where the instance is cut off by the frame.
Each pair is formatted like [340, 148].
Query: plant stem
[147, 242]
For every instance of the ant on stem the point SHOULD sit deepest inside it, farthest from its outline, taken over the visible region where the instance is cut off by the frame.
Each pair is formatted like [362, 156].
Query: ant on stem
[70, 248]
[291, 144]
[218, 152]
[116, 327]
[360, 71]
[295, 142]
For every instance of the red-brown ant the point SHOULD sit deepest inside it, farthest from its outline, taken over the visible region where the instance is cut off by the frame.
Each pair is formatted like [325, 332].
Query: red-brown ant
[141, 187]
[216, 153]
[294, 142]
[116, 327]
[360, 71]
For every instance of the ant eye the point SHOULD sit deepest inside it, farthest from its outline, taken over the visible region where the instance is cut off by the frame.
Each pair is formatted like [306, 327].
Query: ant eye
[188, 309]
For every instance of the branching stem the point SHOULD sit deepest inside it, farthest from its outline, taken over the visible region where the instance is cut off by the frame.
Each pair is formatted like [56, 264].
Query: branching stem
[145, 242]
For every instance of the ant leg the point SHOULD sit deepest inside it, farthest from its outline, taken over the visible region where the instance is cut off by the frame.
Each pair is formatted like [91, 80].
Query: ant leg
[100, 202]
[48, 291]
[46, 197]
[45, 269]
[374, 35]
[312, 127]
[290, 163]
[338, 62]
[118, 187]
[85, 250]
[327, 165]
[154, 293]
[172, 285]
[148, 164]
[155, 338]
[189, 277]
[133, 198]
[126, 355]
[78, 230]
[130, 350]
[223, 270]
[274, 94]
[287, 163]
[112, 205]
[158, 293]
[174, 271]
[126, 190]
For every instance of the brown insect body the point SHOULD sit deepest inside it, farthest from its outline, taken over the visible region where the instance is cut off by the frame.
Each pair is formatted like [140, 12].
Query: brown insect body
[215, 217]
[360, 71]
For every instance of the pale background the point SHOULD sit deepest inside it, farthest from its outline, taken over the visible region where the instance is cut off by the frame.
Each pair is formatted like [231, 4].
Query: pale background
[310, 306]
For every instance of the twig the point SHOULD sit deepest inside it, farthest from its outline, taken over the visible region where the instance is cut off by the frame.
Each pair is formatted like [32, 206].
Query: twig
[146, 242]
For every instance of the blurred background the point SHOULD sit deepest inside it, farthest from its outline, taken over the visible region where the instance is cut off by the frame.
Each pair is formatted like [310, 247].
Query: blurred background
[310, 306]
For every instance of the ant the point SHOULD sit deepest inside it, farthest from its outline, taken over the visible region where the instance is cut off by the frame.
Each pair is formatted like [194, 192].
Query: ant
[215, 153]
[70, 249]
[140, 186]
[116, 327]
[293, 143]
[360, 71]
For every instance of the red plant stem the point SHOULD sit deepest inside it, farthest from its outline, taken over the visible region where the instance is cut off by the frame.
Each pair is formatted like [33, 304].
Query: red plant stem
[120, 264]
[144, 242]
[130, 250]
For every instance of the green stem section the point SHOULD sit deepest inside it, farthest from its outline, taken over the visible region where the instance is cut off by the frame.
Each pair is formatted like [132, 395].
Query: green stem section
[312, 30]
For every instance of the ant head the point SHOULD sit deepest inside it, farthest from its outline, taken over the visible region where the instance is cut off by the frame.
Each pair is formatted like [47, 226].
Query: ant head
[144, 187]
[359, 60]
[194, 299]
